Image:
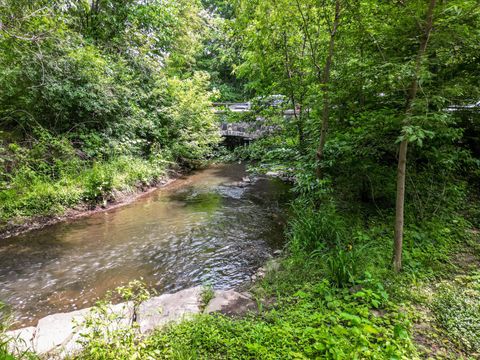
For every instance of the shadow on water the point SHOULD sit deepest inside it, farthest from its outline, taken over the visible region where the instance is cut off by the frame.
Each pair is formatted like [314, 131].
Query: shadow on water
[208, 227]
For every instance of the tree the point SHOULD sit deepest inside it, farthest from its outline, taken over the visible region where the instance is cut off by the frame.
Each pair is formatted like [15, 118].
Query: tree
[325, 79]
[402, 153]
[276, 57]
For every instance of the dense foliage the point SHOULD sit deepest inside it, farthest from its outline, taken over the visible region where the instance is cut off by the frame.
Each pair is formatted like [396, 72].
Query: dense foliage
[98, 96]
[104, 95]
[367, 79]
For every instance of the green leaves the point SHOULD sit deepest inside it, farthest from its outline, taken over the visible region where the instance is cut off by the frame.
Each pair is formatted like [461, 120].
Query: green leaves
[415, 134]
[194, 128]
[300, 327]
[457, 308]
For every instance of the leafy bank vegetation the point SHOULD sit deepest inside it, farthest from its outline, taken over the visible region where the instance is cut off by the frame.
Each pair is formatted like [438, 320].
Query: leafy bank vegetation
[383, 148]
[96, 97]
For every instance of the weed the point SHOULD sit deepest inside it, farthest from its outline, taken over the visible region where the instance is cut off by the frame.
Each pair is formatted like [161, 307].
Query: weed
[315, 230]
[206, 295]
[342, 267]
[4, 340]
[107, 333]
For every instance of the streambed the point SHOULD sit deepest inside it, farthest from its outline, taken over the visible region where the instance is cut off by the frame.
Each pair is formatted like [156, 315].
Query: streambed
[209, 227]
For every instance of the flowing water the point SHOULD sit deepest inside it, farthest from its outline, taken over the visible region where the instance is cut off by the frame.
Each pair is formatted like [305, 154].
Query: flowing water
[206, 228]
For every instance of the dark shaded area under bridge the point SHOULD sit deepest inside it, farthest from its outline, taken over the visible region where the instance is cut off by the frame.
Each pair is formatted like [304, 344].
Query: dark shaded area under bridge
[238, 133]
[247, 130]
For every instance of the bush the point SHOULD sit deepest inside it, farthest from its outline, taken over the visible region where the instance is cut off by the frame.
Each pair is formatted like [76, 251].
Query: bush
[99, 183]
[106, 334]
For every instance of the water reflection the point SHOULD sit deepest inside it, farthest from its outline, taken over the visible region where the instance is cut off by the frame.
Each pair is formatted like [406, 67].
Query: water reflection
[207, 227]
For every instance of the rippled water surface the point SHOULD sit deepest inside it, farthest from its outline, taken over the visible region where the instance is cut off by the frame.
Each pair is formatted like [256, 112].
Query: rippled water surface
[209, 227]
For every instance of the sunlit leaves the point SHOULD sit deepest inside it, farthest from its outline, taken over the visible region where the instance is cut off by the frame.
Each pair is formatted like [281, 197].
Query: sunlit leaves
[415, 134]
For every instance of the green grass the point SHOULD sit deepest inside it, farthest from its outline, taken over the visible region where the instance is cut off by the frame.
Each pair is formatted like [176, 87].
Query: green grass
[30, 194]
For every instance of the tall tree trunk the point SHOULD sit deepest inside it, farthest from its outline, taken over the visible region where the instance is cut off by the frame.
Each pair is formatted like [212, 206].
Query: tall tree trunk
[325, 85]
[291, 95]
[402, 153]
[399, 208]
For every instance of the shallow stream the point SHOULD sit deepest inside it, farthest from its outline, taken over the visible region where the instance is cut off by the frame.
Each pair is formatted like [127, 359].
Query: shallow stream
[209, 227]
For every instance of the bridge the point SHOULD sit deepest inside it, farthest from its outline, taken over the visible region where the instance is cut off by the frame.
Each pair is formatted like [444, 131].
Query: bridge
[247, 131]
[224, 107]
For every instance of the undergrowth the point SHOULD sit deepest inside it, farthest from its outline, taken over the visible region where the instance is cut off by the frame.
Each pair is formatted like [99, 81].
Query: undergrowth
[333, 297]
[32, 194]
[316, 321]
[457, 309]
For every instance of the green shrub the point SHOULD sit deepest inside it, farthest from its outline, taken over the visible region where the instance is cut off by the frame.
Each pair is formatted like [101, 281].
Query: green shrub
[106, 334]
[195, 128]
[99, 183]
[312, 229]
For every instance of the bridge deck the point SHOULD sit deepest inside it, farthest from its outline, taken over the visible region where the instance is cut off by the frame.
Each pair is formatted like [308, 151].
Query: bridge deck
[246, 130]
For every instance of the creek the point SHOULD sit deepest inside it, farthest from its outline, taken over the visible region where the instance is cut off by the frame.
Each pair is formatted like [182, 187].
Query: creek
[209, 227]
